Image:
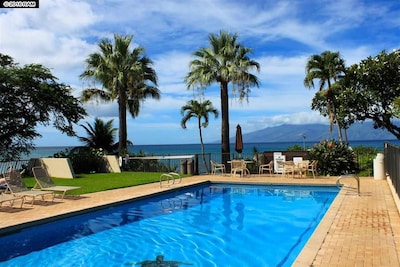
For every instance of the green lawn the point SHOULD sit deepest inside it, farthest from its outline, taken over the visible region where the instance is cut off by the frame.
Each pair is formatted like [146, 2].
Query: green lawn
[97, 182]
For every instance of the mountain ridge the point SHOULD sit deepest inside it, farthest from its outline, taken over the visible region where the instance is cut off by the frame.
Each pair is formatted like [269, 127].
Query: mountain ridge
[314, 132]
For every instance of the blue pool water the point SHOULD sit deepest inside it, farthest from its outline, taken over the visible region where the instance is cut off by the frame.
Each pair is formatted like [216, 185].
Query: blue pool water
[207, 225]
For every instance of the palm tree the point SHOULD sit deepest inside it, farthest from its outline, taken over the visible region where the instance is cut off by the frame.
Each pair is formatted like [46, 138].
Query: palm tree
[225, 61]
[127, 76]
[194, 109]
[327, 67]
[100, 135]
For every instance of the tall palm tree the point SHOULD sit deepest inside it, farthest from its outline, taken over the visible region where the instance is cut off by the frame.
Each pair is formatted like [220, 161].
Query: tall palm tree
[127, 76]
[225, 61]
[100, 135]
[327, 67]
[195, 109]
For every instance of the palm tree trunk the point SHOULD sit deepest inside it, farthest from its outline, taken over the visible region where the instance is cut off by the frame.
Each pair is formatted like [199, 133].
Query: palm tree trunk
[202, 147]
[337, 123]
[122, 145]
[346, 138]
[339, 132]
[225, 145]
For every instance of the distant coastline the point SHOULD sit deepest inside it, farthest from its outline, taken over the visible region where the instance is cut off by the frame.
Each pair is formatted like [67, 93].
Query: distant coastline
[184, 149]
[357, 132]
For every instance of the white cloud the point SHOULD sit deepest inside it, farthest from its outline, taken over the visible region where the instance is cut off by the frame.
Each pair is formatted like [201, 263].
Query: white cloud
[61, 34]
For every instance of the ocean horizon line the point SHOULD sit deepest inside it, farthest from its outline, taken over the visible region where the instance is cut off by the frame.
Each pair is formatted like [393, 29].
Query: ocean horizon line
[215, 143]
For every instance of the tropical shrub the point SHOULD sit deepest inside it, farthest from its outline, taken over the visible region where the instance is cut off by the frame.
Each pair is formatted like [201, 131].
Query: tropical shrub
[334, 158]
[83, 159]
[295, 147]
[365, 156]
[100, 135]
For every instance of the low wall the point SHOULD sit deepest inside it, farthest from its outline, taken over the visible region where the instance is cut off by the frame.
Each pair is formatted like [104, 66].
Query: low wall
[111, 164]
[58, 167]
[62, 167]
[396, 197]
[269, 155]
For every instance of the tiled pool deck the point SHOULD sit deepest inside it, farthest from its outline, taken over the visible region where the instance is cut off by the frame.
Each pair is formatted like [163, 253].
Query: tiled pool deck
[357, 230]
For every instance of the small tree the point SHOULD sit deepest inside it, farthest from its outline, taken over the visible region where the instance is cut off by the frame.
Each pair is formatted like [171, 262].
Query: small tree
[195, 109]
[370, 90]
[30, 96]
[100, 135]
[327, 68]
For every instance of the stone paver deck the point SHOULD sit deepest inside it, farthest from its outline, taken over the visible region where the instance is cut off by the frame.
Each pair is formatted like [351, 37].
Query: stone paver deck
[356, 231]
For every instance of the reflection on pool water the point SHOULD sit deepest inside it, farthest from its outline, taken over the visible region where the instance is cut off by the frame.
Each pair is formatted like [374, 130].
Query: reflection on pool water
[207, 225]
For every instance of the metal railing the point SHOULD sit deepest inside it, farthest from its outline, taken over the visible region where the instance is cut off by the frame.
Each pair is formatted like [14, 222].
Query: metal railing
[392, 164]
[15, 164]
[175, 163]
[194, 165]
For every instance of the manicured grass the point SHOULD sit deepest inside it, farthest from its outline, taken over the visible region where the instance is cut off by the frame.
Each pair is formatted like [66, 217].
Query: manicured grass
[97, 182]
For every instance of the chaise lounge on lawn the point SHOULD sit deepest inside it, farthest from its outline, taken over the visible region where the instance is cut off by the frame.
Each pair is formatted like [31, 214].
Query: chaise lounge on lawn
[44, 182]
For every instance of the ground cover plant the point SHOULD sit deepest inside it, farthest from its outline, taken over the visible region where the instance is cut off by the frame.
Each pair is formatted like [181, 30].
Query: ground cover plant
[98, 182]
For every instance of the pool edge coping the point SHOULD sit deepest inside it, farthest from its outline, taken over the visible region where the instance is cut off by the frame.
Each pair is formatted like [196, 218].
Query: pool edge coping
[314, 243]
[306, 255]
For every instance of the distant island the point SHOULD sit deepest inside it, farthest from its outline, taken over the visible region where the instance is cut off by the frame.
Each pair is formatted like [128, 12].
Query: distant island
[313, 132]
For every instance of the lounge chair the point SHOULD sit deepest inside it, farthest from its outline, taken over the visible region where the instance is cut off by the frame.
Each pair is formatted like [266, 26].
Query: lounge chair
[266, 167]
[217, 167]
[11, 198]
[44, 182]
[17, 187]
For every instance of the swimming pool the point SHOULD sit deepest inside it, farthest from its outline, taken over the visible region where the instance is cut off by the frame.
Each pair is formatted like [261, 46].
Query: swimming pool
[207, 225]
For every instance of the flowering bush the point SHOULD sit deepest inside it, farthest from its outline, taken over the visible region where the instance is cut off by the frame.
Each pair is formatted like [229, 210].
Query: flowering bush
[334, 158]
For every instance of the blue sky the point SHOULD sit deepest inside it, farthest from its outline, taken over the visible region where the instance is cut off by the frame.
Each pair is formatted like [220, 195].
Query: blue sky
[283, 34]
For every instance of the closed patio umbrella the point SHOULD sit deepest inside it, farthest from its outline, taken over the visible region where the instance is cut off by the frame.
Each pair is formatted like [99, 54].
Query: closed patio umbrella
[239, 140]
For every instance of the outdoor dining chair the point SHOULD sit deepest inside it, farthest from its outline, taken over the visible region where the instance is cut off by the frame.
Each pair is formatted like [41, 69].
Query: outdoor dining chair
[301, 167]
[312, 168]
[269, 167]
[217, 167]
[288, 168]
[239, 166]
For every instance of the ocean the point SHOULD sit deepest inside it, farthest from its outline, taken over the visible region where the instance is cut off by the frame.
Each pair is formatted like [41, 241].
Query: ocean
[190, 149]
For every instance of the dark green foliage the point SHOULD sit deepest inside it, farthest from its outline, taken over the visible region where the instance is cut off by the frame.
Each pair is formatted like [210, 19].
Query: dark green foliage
[327, 67]
[126, 76]
[227, 63]
[295, 147]
[83, 159]
[100, 135]
[30, 96]
[334, 158]
[365, 156]
[199, 110]
[369, 90]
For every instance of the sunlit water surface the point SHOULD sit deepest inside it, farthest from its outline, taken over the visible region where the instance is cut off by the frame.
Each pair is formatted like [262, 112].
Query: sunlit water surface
[216, 225]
